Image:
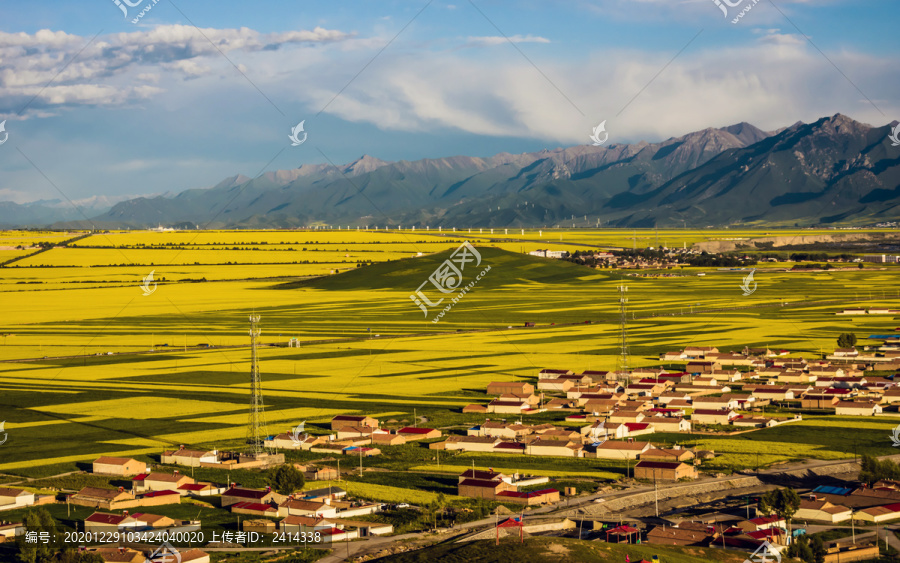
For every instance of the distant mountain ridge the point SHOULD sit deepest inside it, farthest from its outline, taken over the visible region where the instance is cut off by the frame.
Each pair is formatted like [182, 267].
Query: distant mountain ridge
[833, 171]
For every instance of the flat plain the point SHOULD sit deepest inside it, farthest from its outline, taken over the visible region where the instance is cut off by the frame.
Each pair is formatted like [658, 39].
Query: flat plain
[91, 365]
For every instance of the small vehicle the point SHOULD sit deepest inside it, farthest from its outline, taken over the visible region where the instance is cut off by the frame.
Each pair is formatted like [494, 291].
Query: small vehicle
[403, 505]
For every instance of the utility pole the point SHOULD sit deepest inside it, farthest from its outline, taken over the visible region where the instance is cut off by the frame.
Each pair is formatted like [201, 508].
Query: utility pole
[655, 493]
[360, 462]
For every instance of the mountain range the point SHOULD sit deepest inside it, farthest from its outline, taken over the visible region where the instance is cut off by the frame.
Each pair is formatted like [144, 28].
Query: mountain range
[830, 172]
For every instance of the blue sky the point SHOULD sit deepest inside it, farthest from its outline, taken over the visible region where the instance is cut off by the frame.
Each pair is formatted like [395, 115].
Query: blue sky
[96, 105]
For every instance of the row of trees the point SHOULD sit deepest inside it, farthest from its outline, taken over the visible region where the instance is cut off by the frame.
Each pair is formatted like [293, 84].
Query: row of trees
[873, 470]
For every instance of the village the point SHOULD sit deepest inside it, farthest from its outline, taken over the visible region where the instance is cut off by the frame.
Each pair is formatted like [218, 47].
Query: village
[599, 414]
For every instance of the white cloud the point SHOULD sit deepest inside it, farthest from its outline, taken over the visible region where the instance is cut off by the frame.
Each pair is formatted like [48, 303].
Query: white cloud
[83, 73]
[783, 39]
[499, 40]
[770, 83]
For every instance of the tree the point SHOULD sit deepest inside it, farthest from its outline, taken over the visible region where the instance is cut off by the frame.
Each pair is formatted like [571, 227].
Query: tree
[801, 549]
[38, 520]
[783, 502]
[818, 549]
[71, 555]
[846, 340]
[439, 503]
[872, 469]
[286, 479]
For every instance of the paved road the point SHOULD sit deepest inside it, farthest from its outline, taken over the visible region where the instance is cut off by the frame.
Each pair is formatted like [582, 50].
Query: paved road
[570, 508]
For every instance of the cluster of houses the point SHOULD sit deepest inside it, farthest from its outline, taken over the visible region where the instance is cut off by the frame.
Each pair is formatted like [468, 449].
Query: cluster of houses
[356, 435]
[870, 311]
[665, 258]
[214, 459]
[326, 511]
[12, 498]
[323, 510]
[151, 527]
[491, 485]
[546, 253]
[713, 389]
[822, 505]
[768, 533]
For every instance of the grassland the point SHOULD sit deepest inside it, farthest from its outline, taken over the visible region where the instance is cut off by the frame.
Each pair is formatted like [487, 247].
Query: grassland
[366, 347]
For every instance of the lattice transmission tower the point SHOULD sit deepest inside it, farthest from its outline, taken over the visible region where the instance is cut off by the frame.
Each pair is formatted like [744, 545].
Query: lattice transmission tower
[622, 362]
[256, 429]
